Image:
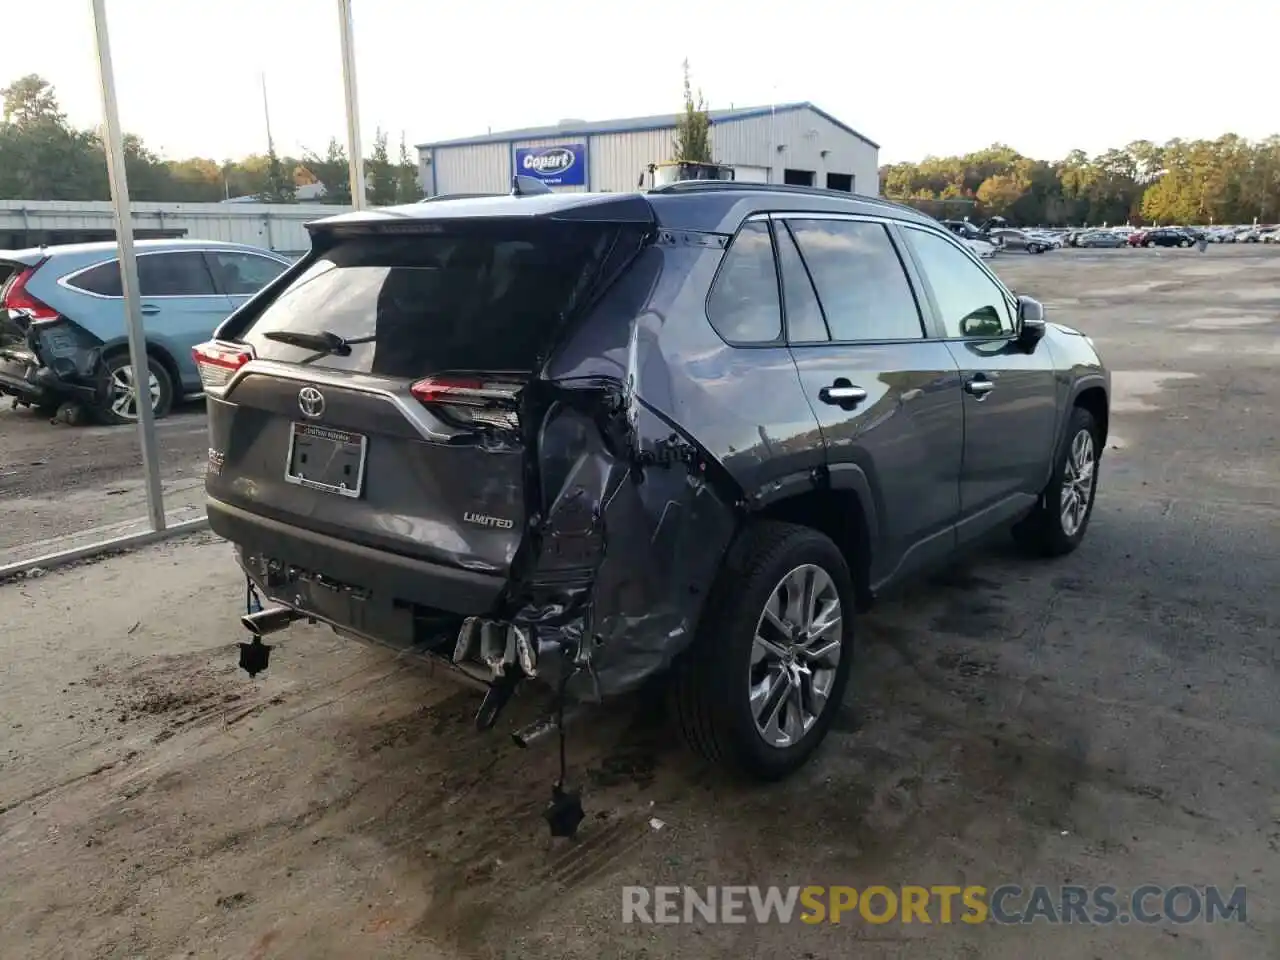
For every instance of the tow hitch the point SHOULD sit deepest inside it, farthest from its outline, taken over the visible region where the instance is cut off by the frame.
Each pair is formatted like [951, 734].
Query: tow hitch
[255, 655]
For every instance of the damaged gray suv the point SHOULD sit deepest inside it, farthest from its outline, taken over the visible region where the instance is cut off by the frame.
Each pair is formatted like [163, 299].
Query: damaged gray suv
[590, 439]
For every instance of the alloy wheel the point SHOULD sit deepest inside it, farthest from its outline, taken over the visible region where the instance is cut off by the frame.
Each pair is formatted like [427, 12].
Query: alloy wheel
[794, 655]
[124, 392]
[1077, 482]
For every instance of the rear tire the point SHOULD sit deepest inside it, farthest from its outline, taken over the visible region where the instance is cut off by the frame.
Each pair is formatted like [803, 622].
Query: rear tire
[1060, 519]
[748, 696]
[118, 403]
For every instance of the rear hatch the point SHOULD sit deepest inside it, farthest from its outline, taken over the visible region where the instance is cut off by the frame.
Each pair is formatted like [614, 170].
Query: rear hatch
[388, 399]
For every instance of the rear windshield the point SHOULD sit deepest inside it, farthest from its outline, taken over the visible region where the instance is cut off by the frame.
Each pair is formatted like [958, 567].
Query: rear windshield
[488, 299]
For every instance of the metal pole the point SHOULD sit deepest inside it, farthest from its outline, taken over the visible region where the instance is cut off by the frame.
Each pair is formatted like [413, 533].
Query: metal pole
[114, 143]
[354, 152]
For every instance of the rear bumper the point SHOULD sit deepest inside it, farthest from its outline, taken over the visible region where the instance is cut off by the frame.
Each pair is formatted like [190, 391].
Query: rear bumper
[282, 555]
[31, 383]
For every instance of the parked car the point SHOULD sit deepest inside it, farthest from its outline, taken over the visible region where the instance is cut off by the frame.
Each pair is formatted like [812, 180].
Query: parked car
[972, 237]
[1007, 238]
[63, 331]
[456, 429]
[1164, 237]
[1052, 239]
[1270, 236]
[1099, 238]
[1249, 235]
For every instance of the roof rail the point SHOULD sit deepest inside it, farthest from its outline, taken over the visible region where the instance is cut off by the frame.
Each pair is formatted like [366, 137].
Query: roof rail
[711, 186]
[459, 196]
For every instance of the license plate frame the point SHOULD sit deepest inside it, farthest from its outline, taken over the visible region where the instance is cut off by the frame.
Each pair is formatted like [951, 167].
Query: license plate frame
[344, 441]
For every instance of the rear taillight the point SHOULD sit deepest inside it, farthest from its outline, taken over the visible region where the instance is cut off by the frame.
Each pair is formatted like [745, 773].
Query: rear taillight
[218, 361]
[472, 400]
[19, 303]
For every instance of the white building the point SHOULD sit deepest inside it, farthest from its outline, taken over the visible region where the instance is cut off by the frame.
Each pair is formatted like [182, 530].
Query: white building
[276, 226]
[786, 143]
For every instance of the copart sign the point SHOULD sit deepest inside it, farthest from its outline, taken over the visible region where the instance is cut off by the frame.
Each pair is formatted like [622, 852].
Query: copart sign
[564, 165]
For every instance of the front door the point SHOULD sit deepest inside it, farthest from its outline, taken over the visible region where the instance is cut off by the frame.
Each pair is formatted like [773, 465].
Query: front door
[1010, 398]
[887, 399]
[240, 274]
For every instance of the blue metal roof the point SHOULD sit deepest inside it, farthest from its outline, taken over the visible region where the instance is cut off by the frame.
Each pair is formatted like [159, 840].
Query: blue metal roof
[638, 125]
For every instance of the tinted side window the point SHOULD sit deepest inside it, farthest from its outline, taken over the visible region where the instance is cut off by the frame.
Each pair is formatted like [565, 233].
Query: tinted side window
[805, 323]
[239, 274]
[861, 282]
[174, 275]
[971, 303]
[104, 280]
[744, 305]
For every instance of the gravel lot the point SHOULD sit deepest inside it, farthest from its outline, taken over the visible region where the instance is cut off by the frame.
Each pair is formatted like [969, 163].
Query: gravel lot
[1108, 718]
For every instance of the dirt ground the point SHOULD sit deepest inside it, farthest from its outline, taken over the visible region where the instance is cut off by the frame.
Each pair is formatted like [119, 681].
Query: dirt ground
[1110, 718]
[61, 486]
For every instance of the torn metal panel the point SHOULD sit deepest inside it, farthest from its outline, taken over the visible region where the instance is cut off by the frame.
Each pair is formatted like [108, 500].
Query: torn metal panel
[632, 535]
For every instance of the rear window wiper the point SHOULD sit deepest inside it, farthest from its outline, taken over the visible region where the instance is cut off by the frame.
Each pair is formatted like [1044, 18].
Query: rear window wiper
[324, 341]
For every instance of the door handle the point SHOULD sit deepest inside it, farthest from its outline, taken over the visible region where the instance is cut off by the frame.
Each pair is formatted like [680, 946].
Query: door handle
[979, 386]
[842, 393]
[150, 309]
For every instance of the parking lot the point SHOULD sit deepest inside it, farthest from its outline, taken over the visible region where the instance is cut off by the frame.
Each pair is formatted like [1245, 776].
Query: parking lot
[1109, 718]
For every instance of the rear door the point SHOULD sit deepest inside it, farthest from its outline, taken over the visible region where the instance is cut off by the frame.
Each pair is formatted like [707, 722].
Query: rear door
[413, 437]
[180, 304]
[888, 399]
[1010, 394]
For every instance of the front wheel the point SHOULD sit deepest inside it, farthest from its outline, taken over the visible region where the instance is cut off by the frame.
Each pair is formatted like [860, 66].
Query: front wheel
[1058, 523]
[757, 690]
[118, 400]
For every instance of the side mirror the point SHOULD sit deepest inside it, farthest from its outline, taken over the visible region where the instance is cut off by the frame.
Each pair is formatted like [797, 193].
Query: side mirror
[1030, 321]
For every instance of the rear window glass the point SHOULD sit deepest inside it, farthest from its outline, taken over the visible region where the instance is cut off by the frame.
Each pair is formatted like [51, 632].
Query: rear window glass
[104, 280]
[744, 306]
[487, 299]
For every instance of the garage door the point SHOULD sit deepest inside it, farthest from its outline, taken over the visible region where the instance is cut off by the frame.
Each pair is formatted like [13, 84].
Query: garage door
[751, 174]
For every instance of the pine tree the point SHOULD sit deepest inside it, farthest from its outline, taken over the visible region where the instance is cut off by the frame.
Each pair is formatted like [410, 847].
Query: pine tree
[408, 190]
[380, 176]
[693, 128]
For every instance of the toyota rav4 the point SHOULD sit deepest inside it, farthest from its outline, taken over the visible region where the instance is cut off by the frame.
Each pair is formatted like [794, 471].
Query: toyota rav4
[589, 439]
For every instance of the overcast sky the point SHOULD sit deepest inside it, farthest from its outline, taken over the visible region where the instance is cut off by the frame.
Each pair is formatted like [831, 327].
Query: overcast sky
[917, 76]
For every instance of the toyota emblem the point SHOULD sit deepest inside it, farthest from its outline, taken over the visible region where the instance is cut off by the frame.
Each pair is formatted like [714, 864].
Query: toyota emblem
[310, 402]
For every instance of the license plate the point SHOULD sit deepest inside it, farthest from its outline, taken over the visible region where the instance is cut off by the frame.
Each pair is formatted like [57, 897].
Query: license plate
[326, 459]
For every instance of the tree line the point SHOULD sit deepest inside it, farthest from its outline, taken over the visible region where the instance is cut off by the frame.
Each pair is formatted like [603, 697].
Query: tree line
[1229, 180]
[44, 157]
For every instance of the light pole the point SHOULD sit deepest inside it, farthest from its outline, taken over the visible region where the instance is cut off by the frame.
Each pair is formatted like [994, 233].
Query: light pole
[138, 361]
[354, 151]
